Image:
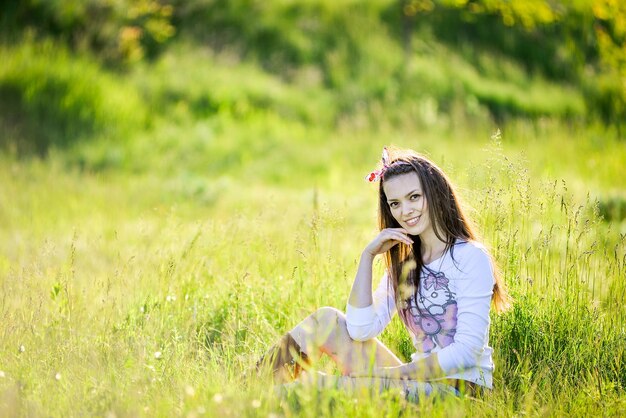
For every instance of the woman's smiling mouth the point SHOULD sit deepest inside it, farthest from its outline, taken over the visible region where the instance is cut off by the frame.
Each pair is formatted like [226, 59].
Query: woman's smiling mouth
[412, 221]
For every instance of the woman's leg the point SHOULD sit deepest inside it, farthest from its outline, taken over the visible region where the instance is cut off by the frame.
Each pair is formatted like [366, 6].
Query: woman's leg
[325, 332]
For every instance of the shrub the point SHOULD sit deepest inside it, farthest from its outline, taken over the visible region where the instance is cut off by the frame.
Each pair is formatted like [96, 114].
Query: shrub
[120, 31]
[50, 98]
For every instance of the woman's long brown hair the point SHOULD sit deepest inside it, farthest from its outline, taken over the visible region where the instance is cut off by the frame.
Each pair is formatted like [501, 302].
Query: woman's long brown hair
[404, 262]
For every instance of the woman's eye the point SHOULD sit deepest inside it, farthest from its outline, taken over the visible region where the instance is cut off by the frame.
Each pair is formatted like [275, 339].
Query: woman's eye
[392, 205]
[415, 196]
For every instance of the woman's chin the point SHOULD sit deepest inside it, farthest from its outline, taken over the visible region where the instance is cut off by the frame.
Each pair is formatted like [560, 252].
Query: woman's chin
[413, 231]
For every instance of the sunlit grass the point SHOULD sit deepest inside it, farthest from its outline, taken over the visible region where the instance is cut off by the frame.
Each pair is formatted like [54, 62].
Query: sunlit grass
[151, 293]
[143, 273]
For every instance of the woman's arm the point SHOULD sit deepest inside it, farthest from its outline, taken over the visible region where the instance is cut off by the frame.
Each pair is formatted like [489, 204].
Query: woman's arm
[367, 322]
[474, 290]
[425, 369]
[368, 314]
[361, 293]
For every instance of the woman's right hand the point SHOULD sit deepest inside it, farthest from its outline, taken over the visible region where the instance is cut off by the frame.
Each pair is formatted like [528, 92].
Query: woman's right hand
[386, 239]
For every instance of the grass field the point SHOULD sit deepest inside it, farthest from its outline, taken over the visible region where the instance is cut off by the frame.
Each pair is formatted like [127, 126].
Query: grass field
[163, 222]
[148, 290]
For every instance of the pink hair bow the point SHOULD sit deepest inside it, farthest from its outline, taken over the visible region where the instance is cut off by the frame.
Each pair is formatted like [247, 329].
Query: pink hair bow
[378, 174]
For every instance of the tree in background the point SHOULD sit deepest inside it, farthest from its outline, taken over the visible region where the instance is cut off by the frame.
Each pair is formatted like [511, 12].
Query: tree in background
[122, 31]
[579, 43]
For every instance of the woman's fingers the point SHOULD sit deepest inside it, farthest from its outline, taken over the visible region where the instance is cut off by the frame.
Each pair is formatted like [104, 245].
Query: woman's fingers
[397, 230]
[397, 235]
[388, 243]
[388, 238]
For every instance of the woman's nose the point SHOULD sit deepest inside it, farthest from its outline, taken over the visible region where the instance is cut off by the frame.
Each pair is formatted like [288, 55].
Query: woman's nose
[407, 209]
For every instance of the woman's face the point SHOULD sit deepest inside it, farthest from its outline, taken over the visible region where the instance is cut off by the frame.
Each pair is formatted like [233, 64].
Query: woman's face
[407, 203]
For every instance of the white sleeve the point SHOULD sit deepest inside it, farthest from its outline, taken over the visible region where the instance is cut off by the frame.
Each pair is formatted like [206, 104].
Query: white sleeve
[366, 323]
[474, 289]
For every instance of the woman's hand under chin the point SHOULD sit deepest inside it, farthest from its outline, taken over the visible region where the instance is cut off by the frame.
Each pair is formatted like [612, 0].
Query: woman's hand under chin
[386, 239]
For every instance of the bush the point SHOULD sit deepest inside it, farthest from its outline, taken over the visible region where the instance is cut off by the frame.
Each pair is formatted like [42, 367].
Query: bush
[50, 98]
[612, 209]
[120, 31]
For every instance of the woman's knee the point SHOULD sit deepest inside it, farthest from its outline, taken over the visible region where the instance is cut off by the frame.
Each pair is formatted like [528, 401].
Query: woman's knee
[327, 321]
[331, 329]
[329, 316]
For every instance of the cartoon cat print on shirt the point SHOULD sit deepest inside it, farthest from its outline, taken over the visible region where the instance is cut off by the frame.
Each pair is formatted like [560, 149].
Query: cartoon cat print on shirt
[432, 319]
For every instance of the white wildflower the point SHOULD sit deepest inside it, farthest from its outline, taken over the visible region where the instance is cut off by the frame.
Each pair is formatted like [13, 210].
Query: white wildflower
[158, 355]
[256, 403]
[218, 398]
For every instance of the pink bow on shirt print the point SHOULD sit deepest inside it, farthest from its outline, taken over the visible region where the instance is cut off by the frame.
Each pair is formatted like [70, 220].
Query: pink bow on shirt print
[435, 330]
[438, 280]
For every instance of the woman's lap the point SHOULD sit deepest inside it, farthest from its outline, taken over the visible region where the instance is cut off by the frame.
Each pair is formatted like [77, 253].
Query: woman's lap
[410, 389]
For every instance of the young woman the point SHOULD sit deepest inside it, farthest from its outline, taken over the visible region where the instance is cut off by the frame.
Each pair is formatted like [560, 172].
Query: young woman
[438, 278]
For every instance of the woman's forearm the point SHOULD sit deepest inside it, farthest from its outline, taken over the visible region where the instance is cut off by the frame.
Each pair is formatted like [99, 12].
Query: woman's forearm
[423, 370]
[361, 293]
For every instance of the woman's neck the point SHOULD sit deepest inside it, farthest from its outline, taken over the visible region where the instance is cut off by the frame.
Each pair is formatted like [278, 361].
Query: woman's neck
[432, 247]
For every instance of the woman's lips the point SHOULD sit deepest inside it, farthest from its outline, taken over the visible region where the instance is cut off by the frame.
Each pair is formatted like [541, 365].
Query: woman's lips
[412, 221]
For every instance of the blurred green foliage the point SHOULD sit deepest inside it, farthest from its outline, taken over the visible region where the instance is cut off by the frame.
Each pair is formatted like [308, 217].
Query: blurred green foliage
[118, 31]
[580, 42]
[613, 208]
[316, 61]
[51, 98]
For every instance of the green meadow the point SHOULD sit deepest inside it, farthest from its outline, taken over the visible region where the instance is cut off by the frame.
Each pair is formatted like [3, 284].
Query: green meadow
[169, 208]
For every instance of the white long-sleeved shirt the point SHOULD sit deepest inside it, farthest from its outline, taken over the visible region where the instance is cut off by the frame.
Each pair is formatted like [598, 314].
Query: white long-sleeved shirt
[450, 316]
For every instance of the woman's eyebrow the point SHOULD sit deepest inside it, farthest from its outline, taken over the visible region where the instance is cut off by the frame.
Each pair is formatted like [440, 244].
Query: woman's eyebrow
[414, 191]
[407, 195]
